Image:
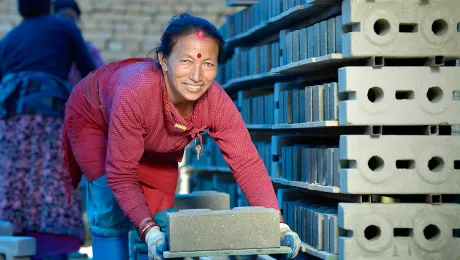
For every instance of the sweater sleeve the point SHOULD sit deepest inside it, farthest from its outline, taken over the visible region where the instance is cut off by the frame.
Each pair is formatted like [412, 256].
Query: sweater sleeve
[239, 152]
[124, 150]
[79, 51]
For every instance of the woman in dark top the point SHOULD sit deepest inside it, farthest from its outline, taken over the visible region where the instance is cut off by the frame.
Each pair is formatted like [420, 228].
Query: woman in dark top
[35, 60]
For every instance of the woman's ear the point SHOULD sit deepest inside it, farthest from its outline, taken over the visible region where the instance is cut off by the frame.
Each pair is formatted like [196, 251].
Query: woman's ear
[162, 61]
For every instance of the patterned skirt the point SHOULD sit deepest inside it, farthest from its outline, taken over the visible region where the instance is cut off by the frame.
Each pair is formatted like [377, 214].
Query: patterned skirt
[33, 195]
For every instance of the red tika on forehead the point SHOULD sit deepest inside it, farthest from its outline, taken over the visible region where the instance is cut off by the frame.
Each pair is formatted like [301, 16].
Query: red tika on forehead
[200, 34]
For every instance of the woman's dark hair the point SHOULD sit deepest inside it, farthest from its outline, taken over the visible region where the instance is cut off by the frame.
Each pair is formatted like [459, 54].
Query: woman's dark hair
[185, 24]
[31, 8]
[60, 4]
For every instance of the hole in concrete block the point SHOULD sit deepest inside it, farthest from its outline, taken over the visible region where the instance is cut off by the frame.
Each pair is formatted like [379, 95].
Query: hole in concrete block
[375, 94]
[402, 232]
[456, 232]
[351, 27]
[424, 2]
[458, 27]
[456, 95]
[348, 164]
[436, 164]
[434, 94]
[438, 60]
[431, 232]
[404, 94]
[433, 130]
[372, 232]
[457, 164]
[376, 130]
[439, 27]
[343, 96]
[382, 27]
[436, 199]
[376, 163]
[405, 164]
[408, 27]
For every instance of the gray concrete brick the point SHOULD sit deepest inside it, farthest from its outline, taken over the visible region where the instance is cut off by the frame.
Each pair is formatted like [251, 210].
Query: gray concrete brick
[336, 167]
[326, 102]
[240, 228]
[17, 247]
[331, 34]
[303, 44]
[323, 34]
[318, 105]
[6, 228]
[333, 102]
[212, 200]
[338, 35]
[373, 225]
[316, 40]
[416, 107]
[310, 42]
[308, 104]
[295, 46]
[389, 41]
[426, 164]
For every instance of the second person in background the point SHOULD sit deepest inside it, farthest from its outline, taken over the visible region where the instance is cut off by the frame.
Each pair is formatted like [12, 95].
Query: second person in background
[71, 10]
[128, 124]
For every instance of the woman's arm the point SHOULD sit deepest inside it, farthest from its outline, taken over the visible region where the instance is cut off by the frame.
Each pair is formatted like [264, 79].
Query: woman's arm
[124, 150]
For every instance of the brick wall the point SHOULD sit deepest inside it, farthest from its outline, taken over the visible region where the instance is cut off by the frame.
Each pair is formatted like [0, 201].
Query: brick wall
[127, 28]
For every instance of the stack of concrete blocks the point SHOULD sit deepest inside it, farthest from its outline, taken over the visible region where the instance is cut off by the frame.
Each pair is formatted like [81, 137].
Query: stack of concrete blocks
[380, 97]
[13, 247]
[212, 200]
[236, 229]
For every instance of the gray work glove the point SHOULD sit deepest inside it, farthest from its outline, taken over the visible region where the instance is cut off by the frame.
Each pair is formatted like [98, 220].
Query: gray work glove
[289, 238]
[156, 243]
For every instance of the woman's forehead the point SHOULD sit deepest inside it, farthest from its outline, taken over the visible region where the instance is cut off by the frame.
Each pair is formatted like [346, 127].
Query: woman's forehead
[192, 44]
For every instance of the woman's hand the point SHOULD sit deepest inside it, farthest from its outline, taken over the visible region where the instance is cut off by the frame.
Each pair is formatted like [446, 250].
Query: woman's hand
[289, 238]
[156, 243]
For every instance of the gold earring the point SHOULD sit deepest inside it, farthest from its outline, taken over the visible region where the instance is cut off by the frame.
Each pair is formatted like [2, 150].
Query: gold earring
[165, 68]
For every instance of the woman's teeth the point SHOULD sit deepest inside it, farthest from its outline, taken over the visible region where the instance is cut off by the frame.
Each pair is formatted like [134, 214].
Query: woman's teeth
[193, 87]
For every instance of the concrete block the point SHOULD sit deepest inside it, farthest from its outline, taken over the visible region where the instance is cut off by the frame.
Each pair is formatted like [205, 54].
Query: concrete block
[419, 165]
[310, 42]
[326, 104]
[338, 34]
[17, 247]
[326, 233]
[302, 105]
[410, 28]
[328, 166]
[240, 228]
[6, 228]
[323, 34]
[333, 235]
[333, 101]
[331, 35]
[308, 104]
[202, 200]
[380, 231]
[399, 96]
[313, 174]
[295, 46]
[295, 106]
[318, 105]
[316, 40]
[289, 45]
[305, 164]
[303, 44]
[336, 167]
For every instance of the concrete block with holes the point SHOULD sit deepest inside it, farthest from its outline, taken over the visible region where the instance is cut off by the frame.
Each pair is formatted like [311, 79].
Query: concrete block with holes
[392, 164]
[202, 200]
[380, 231]
[239, 228]
[399, 96]
[17, 247]
[410, 28]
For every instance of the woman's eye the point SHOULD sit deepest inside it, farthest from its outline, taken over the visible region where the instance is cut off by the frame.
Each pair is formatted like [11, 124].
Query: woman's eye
[185, 61]
[208, 64]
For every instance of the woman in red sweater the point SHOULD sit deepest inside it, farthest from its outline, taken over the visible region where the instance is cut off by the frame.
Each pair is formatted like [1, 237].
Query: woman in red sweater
[128, 124]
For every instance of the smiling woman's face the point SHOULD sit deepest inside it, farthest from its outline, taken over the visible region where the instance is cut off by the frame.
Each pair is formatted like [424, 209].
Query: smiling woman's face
[192, 67]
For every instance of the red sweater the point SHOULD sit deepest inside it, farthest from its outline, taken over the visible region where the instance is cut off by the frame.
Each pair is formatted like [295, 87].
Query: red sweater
[139, 137]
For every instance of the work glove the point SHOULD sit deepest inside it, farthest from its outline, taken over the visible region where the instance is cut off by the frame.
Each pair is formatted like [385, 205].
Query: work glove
[156, 243]
[289, 238]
